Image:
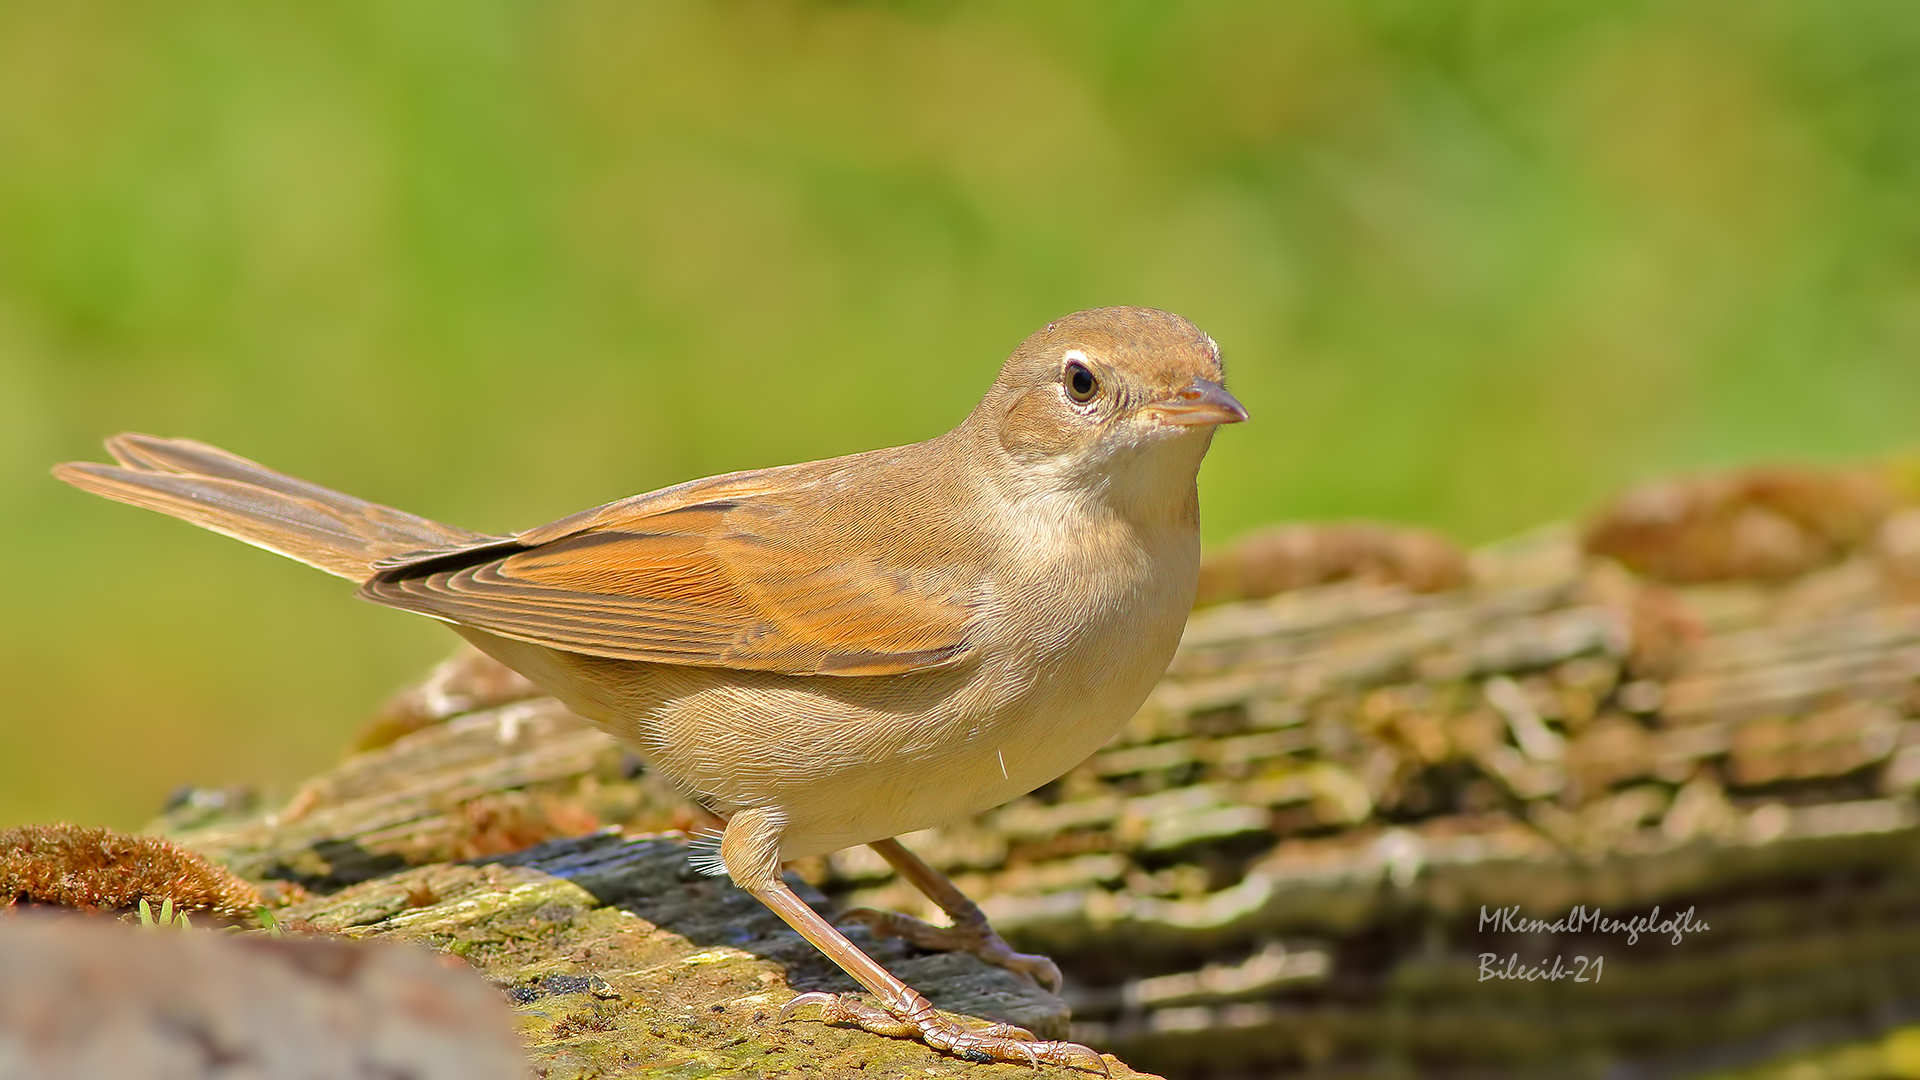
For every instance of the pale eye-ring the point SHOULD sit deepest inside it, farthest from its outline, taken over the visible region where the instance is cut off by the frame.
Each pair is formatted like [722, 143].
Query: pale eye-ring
[1079, 380]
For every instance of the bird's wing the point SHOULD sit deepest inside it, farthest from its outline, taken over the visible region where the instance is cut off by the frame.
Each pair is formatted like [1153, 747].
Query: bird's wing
[711, 576]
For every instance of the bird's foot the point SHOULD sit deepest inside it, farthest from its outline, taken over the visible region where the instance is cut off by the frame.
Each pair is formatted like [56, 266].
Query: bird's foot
[991, 1043]
[976, 937]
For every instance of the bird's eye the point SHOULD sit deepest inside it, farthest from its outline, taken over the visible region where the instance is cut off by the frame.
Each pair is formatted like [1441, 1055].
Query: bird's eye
[1081, 385]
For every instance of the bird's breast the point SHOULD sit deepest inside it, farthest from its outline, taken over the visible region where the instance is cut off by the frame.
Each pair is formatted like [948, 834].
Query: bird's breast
[1092, 650]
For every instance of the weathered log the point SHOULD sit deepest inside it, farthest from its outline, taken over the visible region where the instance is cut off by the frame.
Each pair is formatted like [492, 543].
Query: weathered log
[1287, 860]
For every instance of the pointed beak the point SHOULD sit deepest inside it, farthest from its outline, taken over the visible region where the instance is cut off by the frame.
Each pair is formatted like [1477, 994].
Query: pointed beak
[1201, 401]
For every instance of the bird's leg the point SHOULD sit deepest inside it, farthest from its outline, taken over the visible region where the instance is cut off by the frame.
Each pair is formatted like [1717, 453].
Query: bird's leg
[970, 931]
[751, 849]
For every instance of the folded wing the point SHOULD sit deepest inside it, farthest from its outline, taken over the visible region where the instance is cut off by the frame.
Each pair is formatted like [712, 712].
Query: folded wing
[713, 583]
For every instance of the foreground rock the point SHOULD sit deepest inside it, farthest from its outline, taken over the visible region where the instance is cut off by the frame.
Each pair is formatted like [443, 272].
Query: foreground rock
[86, 998]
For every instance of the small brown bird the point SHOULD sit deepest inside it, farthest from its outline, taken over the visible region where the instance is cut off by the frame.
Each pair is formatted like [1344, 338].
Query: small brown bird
[831, 653]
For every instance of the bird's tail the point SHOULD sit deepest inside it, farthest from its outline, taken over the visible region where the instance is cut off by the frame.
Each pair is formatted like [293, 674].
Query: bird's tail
[247, 501]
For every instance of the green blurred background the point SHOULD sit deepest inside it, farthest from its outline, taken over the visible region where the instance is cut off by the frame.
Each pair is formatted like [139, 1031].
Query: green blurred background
[1473, 265]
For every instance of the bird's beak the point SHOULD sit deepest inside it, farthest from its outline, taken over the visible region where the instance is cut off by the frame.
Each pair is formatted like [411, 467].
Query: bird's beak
[1201, 401]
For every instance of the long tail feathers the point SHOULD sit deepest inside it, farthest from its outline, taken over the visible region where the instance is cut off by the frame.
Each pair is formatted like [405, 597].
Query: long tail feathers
[248, 501]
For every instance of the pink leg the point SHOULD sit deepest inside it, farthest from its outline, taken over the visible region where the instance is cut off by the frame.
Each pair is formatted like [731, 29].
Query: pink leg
[750, 849]
[970, 931]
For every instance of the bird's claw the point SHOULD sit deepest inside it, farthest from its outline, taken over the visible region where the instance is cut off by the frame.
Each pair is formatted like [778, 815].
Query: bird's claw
[801, 1001]
[994, 1042]
[980, 940]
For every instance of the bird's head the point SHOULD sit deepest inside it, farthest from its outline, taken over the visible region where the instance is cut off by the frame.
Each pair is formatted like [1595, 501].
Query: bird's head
[1113, 394]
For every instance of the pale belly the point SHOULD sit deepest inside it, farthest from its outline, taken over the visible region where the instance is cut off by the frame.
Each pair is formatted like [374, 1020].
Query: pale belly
[851, 761]
[960, 766]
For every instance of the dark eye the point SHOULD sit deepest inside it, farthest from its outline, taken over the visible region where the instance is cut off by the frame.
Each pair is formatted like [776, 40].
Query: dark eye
[1081, 385]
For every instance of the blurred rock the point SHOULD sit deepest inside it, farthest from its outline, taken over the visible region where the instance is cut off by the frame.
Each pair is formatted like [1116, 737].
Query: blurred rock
[1295, 556]
[1897, 547]
[1767, 524]
[83, 998]
[465, 682]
